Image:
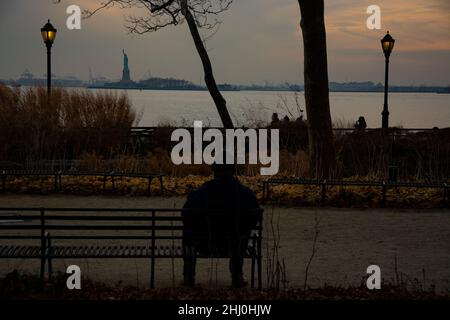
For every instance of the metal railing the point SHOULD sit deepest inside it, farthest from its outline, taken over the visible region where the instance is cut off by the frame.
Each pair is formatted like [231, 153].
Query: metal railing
[383, 185]
[58, 174]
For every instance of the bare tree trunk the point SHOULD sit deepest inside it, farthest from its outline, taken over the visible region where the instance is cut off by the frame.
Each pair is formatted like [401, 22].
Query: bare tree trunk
[219, 100]
[321, 142]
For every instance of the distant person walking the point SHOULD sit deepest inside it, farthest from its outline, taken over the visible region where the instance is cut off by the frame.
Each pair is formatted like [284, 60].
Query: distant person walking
[228, 212]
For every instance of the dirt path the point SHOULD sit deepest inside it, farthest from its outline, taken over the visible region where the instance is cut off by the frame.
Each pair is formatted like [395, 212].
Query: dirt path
[348, 242]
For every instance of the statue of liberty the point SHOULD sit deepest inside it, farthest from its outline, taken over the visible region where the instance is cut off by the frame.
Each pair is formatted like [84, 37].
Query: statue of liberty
[126, 70]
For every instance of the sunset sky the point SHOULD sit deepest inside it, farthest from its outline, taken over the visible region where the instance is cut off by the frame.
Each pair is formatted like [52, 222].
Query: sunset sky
[259, 40]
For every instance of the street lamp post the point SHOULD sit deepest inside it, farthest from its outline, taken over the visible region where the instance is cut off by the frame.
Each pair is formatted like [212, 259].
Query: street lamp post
[387, 43]
[48, 33]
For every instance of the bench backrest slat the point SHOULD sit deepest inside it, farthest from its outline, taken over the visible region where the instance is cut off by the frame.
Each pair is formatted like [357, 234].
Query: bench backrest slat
[149, 224]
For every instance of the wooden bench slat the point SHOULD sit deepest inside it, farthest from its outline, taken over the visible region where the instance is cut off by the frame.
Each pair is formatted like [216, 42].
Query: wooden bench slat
[82, 250]
[2, 249]
[10, 251]
[68, 251]
[19, 251]
[35, 251]
[26, 251]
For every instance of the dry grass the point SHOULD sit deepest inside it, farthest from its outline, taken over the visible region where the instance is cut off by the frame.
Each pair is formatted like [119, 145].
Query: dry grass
[285, 195]
[32, 127]
[94, 130]
[17, 286]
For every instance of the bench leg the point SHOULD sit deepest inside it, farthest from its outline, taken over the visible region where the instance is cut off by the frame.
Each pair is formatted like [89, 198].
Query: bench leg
[56, 183]
[42, 268]
[50, 269]
[252, 280]
[152, 273]
[259, 257]
[323, 195]
[254, 241]
[259, 274]
[189, 262]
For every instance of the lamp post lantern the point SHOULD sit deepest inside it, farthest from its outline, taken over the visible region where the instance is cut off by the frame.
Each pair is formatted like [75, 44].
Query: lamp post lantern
[387, 44]
[48, 33]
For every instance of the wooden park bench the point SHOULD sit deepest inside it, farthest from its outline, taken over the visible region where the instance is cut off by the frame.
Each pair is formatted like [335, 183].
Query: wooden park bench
[47, 234]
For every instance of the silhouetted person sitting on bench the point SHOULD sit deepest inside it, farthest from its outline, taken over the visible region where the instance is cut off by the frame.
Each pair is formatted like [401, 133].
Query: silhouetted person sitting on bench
[222, 227]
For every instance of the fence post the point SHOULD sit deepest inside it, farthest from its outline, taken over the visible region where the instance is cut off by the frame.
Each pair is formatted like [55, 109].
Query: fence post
[3, 180]
[446, 195]
[384, 194]
[56, 182]
[324, 190]
[104, 183]
[161, 184]
[267, 191]
[149, 187]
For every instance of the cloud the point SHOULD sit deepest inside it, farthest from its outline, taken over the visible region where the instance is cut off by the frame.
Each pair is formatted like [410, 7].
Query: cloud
[258, 40]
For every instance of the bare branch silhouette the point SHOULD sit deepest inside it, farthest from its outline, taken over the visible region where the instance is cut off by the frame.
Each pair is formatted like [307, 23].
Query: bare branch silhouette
[158, 14]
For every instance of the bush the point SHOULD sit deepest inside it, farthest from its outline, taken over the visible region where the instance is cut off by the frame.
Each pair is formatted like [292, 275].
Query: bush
[32, 127]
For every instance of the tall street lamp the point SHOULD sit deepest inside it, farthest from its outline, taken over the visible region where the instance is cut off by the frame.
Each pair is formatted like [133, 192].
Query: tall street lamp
[48, 33]
[387, 43]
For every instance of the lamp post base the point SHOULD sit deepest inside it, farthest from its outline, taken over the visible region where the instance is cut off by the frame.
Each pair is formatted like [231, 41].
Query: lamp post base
[385, 119]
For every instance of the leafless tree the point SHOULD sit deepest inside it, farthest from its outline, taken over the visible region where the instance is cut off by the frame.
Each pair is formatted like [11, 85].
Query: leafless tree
[199, 14]
[321, 142]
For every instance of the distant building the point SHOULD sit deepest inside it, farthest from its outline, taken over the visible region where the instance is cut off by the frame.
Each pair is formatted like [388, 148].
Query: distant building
[168, 84]
[126, 70]
[27, 79]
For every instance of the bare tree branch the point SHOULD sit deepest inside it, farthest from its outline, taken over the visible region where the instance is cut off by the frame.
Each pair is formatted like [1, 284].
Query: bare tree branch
[158, 14]
[162, 13]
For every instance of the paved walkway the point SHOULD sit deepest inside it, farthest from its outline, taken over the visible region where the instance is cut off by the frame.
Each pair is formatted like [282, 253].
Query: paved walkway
[349, 241]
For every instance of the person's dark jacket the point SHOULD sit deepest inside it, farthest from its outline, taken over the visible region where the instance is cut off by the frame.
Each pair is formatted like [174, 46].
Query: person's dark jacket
[229, 211]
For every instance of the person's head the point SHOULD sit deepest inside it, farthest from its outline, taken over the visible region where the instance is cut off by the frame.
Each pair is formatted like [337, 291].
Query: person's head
[222, 170]
[275, 116]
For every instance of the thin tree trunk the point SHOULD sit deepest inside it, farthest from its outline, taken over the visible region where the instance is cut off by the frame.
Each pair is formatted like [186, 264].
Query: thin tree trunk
[219, 100]
[321, 142]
